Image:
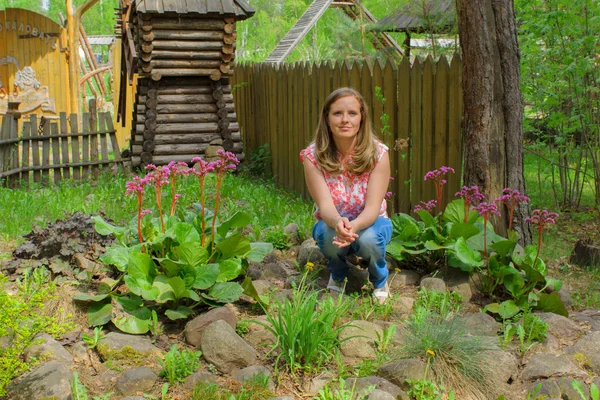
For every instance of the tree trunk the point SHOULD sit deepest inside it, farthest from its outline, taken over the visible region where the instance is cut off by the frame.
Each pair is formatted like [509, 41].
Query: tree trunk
[493, 108]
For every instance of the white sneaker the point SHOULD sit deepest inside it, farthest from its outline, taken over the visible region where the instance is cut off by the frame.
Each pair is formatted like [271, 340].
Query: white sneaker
[381, 295]
[335, 286]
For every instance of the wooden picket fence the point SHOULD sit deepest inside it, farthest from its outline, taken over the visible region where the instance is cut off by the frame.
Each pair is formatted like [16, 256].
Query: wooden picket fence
[423, 103]
[42, 149]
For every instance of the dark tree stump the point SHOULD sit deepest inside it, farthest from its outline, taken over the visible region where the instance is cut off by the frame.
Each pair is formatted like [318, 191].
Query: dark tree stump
[585, 253]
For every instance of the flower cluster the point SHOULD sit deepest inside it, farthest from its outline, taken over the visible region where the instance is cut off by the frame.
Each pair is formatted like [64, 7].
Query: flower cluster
[511, 198]
[228, 161]
[542, 218]
[429, 206]
[137, 186]
[437, 174]
[471, 195]
[486, 209]
[202, 168]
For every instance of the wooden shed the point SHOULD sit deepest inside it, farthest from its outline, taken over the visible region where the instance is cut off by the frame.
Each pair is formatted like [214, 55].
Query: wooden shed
[182, 52]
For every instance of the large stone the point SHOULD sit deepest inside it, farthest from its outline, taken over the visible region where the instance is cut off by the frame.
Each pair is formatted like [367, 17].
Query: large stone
[132, 381]
[194, 329]
[560, 326]
[399, 371]
[480, 324]
[505, 366]
[358, 340]
[402, 307]
[591, 317]
[119, 346]
[49, 349]
[223, 347]
[309, 251]
[406, 277]
[377, 394]
[291, 230]
[253, 371]
[463, 289]
[589, 347]
[543, 390]
[433, 284]
[80, 353]
[198, 377]
[567, 390]
[548, 365]
[361, 385]
[49, 380]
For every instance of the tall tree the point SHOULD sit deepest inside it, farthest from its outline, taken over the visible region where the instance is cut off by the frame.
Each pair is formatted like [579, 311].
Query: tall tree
[493, 107]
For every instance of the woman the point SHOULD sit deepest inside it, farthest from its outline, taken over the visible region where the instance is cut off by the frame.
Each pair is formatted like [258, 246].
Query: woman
[347, 172]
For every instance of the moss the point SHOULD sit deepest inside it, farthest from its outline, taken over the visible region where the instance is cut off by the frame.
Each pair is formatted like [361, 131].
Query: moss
[126, 353]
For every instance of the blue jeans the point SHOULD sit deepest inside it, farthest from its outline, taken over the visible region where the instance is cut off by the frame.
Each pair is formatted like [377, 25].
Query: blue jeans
[370, 245]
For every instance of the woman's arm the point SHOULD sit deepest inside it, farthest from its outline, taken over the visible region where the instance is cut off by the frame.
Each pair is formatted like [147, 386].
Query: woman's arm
[376, 189]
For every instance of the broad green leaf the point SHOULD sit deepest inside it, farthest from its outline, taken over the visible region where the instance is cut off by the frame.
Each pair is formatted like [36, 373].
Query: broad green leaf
[107, 285]
[169, 266]
[229, 269]
[165, 291]
[514, 284]
[84, 297]
[494, 308]
[191, 253]
[432, 246]
[104, 228]
[132, 316]
[404, 227]
[594, 391]
[463, 230]
[185, 232]
[250, 290]
[180, 312]
[555, 283]
[99, 313]
[141, 286]
[455, 262]
[513, 235]
[141, 265]
[234, 246]
[181, 292]
[225, 292]
[508, 309]
[552, 303]
[188, 274]
[117, 256]
[533, 275]
[503, 247]
[206, 276]
[455, 212]
[466, 255]
[427, 218]
[237, 220]
[258, 251]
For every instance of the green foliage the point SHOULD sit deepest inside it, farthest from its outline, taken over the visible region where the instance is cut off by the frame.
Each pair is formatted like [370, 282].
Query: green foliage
[256, 388]
[258, 162]
[92, 341]
[22, 320]
[177, 365]
[278, 238]
[444, 304]
[423, 389]
[306, 329]
[242, 327]
[339, 391]
[578, 386]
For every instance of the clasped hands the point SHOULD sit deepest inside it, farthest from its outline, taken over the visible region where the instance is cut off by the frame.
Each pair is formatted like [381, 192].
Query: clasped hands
[345, 232]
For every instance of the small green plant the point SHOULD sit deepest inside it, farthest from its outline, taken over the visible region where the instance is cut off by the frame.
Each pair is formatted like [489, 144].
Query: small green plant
[258, 161]
[156, 327]
[339, 391]
[255, 388]
[79, 391]
[444, 304]
[163, 393]
[386, 133]
[242, 327]
[594, 392]
[423, 389]
[177, 365]
[278, 238]
[306, 329]
[92, 341]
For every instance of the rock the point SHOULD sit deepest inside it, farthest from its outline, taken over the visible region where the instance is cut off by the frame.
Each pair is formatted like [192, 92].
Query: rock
[358, 340]
[551, 344]
[211, 152]
[392, 264]
[216, 142]
[548, 365]
[263, 287]
[309, 251]
[121, 346]
[377, 394]
[80, 353]
[565, 296]
[50, 349]
[245, 374]
[134, 398]
[548, 388]
[275, 270]
[223, 347]
[480, 324]
[140, 379]
[291, 230]
[406, 277]
[261, 340]
[402, 306]
[596, 382]
[319, 382]
[81, 261]
[282, 398]
[194, 329]
[51, 379]
[560, 326]
[357, 277]
[197, 377]
[568, 392]
[433, 284]
[463, 289]
[362, 384]
[399, 371]
[591, 317]
[506, 366]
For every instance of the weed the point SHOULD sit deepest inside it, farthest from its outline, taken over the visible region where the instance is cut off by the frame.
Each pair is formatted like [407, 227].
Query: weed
[444, 304]
[156, 327]
[163, 393]
[79, 391]
[306, 331]
[423, 389]
[177, 365]
[258, 161]
[242, 327]
[367, 309]
[278, 238]
[256, 388]
[335, 391]
[92, 341]
[578, 386]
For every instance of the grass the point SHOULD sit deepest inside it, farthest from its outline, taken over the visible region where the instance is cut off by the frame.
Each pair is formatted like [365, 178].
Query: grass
[268, 204]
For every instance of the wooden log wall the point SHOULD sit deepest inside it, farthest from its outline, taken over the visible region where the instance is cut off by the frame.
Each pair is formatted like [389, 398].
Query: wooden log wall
[184, 101]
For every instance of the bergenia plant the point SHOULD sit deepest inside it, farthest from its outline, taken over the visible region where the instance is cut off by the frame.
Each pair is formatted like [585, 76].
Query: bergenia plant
[437, 176]
[227, 162]
[429, 206]
[541, 218]
[471, 196]
[158, 177]
[137, 186]
[175, 169]
[486, 210]
[511, 198]
[200, 170]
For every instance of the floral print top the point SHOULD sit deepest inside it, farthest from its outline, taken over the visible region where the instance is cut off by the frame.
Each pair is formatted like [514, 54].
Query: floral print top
[348, 191]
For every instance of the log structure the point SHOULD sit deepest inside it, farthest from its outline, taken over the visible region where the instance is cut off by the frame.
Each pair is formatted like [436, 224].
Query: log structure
[184, 58]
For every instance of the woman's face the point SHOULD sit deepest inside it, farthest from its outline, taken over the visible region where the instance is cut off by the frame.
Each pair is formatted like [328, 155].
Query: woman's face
[344, 118]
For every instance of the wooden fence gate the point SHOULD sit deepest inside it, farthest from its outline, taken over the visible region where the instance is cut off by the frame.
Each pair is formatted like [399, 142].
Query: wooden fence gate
[50, 149]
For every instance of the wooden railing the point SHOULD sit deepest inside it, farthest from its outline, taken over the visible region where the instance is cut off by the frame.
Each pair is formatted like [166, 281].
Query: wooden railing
[40, 149]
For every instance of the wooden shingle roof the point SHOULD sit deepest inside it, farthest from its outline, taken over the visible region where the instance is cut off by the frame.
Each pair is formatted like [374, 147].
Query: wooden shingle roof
[240, 9]
[440, 16]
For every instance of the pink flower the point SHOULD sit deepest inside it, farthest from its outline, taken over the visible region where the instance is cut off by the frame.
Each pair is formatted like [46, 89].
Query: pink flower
[486, 209]
[178, 168]
[436, 174]
[388, 195]
[201, 167]
[429, 206]
[471, 195]
[145, 212]
[137, 185]
[542, 218]
[512, 198]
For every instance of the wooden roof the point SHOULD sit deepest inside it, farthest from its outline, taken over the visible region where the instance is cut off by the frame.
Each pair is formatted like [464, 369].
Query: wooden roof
[239, 9]
[441, 14]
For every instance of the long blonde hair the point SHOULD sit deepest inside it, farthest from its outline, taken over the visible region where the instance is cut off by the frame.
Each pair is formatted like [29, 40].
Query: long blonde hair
[364, 155]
